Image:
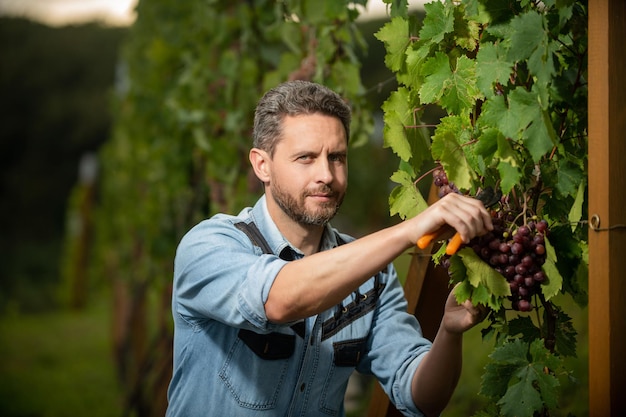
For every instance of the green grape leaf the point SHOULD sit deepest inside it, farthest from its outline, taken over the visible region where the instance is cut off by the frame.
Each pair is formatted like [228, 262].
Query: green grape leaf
[439, 21]
[492, 385]
[554, 282]
[541, 62]
[491, 68]
[527, 33]
[461, 93]
[466, 32]
[569, 178]
[405, 199]
[516, 376]
[539, 353]
[531, 41]
[395, 35]
[455, 90]
[487, 144]
[437, 75]
[580, 280]
[397, 115]
[479, 272]
[512, 353]
[539, 136]
[500, 11]
[398, 7]
[347, 76]
[525, 327]
[522, 399]
[576, 212]
[523, 118]
[508, 165]
[495, 113]
[414, 60]
[446, 148]
[565, 335]
[489, 285]
[439, 255]
[458, 273]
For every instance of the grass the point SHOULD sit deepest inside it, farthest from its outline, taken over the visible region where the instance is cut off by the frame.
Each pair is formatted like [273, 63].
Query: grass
[57, 364]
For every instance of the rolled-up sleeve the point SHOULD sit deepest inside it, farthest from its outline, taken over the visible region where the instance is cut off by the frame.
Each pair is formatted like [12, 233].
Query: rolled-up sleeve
[220, 275]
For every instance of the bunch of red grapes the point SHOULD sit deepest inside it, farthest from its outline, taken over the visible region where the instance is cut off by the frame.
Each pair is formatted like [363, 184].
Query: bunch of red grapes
[440, 178]
[516, 252]
[518, 256]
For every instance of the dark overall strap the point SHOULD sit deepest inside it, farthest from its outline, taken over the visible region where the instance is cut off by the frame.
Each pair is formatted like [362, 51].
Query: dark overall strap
[255, 236]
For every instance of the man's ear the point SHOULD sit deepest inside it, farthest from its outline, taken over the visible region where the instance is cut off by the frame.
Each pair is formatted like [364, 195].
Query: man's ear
[260, 161]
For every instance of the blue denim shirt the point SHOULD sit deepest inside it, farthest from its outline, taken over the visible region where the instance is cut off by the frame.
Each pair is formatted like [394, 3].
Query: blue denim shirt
[229, 360]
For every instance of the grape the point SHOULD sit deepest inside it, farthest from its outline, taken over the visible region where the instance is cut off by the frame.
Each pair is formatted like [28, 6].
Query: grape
[529, 281]
[523, 291]
[519, 238]
[527, 261]
[524, 305]
[540, 250]
[517, 248]
[440, 179]
[516, 251]
[494, 244]
[509, 271]
[542, 226]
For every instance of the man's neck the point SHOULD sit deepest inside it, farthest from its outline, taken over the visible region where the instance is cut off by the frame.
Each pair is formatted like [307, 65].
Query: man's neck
[307, 238]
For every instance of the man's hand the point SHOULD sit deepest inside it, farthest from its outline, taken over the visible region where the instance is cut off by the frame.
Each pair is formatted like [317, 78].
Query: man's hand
[454, 212]
[458, 318]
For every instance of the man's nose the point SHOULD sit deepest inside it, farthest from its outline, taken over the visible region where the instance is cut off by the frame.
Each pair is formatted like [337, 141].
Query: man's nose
[324, 171]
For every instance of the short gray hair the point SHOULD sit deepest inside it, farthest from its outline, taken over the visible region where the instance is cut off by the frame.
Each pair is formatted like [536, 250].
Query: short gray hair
[294, 98]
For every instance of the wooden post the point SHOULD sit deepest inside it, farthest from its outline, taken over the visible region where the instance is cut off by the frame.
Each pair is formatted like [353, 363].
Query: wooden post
[607, 208]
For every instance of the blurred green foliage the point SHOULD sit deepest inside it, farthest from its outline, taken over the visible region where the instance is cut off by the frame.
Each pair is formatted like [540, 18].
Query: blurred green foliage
[55, 85]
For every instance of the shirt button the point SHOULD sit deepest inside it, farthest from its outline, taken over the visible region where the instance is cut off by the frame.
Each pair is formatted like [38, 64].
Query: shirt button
[302, 387]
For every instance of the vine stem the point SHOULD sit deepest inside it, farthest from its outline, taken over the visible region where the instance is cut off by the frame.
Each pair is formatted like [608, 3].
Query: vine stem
[551, 320]
[430, 171]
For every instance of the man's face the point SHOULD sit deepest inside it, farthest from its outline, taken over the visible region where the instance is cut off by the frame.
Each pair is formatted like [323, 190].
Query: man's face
[309, 171]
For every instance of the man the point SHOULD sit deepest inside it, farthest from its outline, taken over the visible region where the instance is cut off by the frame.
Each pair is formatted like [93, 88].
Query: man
[274, 309]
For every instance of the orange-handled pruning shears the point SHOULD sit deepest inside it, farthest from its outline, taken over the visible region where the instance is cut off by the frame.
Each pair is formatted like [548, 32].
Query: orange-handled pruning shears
[487, 196]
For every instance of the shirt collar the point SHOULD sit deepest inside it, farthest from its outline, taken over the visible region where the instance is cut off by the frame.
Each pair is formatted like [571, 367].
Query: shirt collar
[277, 242]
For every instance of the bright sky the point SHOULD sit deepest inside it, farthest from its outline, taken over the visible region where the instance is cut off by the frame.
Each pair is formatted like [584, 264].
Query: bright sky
[61, 12]
[114, 12]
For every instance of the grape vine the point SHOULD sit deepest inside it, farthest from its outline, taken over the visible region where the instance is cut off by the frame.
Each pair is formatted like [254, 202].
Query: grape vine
[509, 78]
